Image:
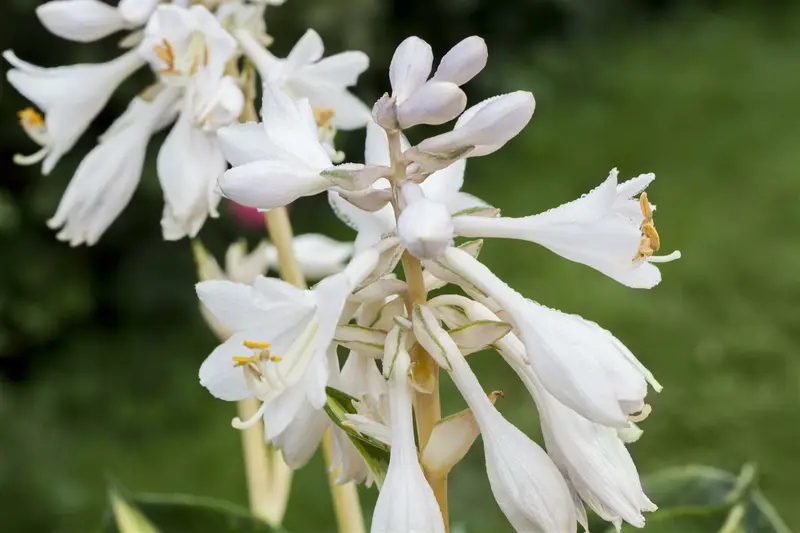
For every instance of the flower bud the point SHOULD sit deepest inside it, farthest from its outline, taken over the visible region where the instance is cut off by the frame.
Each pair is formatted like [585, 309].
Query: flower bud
[463, 62]
[410, 67]
[80, 20]
[434, 103]
[424, 227]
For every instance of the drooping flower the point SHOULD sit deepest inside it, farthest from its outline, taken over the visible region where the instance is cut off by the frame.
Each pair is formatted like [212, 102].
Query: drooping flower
[88, 20]
[526, 483]
[107, 177]
[583, 365]
[304, 73]
[70, 98]
[601, 229]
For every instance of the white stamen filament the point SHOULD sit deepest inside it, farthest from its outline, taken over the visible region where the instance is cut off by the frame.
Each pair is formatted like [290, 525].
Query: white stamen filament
[250, 422]
[665, 258]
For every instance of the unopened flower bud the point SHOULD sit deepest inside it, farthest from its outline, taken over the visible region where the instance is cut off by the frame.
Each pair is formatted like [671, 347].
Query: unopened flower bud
[424, 227]
[434, 103]
[463, 62]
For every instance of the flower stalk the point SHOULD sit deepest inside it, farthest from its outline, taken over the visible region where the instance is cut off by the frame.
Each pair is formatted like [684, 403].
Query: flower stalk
[427, 405]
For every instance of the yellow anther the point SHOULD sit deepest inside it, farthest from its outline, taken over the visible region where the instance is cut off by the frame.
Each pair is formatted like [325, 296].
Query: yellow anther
[29, 117]
[255, 345]
[650, 242]
[241, 361]
[323, 116]
[166, 52]
[275, 358]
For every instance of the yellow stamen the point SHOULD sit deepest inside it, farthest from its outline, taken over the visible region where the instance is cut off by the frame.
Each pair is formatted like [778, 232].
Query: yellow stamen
[29, 117]
[166, 52]
[650, 242]
[255, 345]
[241, 361]
[323, 115]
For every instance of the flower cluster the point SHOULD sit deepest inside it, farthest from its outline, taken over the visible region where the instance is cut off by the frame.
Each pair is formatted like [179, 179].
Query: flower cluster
[206, 57]
[405, 202]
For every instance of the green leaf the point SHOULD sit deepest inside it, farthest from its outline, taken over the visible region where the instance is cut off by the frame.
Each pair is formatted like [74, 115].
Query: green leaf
[127, 517]
[177, 513]
[703, 499]
[375, 453]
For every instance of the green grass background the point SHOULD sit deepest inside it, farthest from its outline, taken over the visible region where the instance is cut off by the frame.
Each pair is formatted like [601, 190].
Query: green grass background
[708, 100]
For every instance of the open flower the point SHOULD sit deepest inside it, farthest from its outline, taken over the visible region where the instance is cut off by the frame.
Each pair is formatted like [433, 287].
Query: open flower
[304, 73]
[70, 98]
[107, 177]
[605, 229]
[89, 20]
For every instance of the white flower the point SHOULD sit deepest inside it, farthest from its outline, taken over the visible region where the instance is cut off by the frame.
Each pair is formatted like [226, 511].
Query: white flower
[583, 365]
[305, 74]
[316, 255]
[70, 97]
[526, 483]
[424, 226]
[605, 229]
[417, 100]
[88, 20]
[442, 187]
[179, 42]
[280, 340]
[406, 503]
[107, 177]
[281, 160]
[190, 160]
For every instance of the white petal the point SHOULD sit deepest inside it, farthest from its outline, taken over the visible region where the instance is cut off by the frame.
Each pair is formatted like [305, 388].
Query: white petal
[137, 12]
[219, 374]
[341, 69]
[349, 112]
[425, 228]
[80, 20]
[463, 62]
[301, 438]
[410, 67]
[308, 49]
[443, 185]
[436, 102]
[320, 256]
[245, 143]
[268, 184]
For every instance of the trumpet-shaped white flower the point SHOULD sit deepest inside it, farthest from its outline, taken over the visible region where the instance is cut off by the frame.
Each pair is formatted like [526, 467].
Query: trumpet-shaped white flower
[88, 20]
[526, 483]
[605, 229]
[305, 74]
[190, 160]
[317, 256]
[442, 187]
[281, 160]
[179, 42]
[70, 97]
[281, 335]
[406, 503]
[581, 364]
[107, 177]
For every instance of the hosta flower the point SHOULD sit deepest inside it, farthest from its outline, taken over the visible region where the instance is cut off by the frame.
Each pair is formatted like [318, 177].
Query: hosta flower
[605, 229]
[70, 98]
[581, 364]
[179, 42]
[281, 336]
[526, 483]
[89, 20]
[406, 502]
[190, 160]
[276, 162]
[304, 73]
[107, 177]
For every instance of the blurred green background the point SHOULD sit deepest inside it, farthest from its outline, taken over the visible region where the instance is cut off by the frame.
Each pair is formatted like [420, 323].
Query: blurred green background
[99, 347]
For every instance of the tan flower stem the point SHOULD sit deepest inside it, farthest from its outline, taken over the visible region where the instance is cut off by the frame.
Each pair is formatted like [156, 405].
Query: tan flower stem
[346, 504]
[269, 478]
[427, 405]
